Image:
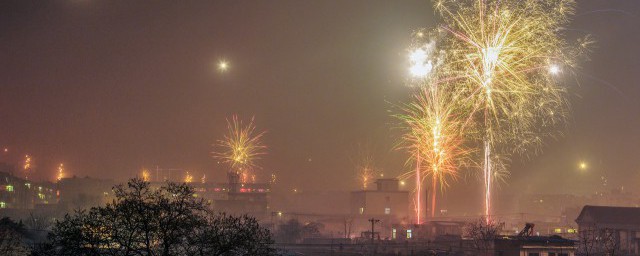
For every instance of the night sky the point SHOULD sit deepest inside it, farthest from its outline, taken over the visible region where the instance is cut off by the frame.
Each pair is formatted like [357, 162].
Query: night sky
[109, 87]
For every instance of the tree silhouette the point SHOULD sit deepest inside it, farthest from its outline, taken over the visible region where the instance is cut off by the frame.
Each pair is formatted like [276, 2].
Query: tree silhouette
[164, 221]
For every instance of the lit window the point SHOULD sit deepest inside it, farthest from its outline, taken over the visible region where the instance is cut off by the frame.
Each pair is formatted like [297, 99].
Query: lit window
[361, 210]
[393, 233]
[387, 210]
[572, 230]
[3, 205]
[40, 195]
[557, 230]
[9, 188]
[409, 234]
[28, 185]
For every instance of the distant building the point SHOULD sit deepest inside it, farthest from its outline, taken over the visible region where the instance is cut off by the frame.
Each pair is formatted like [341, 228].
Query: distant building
[555, 214]
[548, 207]
[241, 198]
[17, 193]
[533, 246]
[431, 230]
[386, 201]
[231, 197]
[84, 192]
[319, 202]
[604, 229]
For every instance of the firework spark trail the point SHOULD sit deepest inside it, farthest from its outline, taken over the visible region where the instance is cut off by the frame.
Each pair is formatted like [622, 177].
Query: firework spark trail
[26, 166]
[241, 147]
[487, 178]
[418, 192]
[365, 176]
[501, 56]
[434, 139]
[60, 172]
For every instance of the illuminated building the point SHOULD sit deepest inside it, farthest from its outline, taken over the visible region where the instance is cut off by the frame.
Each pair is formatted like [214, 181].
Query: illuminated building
[18, 193]
[232, 197]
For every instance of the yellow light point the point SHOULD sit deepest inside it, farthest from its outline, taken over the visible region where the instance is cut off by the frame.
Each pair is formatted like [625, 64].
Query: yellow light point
[60, 172]
[583, 166]
[146, 176]
[223, 66]
[188, 178]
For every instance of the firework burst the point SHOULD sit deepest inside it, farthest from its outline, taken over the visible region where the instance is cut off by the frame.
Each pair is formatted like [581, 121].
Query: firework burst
[365, 176]
[145, 175]
[365, 167]
[188, 178]
[502, 59]
[241, 147]
[497, 64]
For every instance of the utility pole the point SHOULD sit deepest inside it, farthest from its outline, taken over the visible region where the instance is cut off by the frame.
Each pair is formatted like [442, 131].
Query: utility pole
[373, 222]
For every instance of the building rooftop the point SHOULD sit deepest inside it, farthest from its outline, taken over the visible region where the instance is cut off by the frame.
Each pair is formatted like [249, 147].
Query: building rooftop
[609, 215]
[537, 240]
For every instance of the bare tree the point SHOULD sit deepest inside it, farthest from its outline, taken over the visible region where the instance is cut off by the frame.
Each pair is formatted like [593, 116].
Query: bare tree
[483, 233]
[229, 235]
[11, 238]
[593, 240]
